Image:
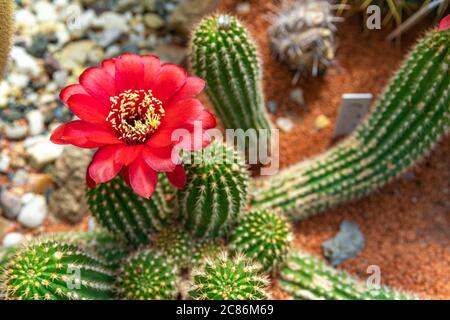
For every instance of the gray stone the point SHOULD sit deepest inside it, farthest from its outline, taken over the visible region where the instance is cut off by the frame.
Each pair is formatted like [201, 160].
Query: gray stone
[347, 244]
[285, 124]
[20, 178]
[24, 62]
[4, 162]
[11, 203]
[34, 210]
[153, 21]
[188, 13]
[113, 20]
[44, 152]
[171, 53]
[272, 106]
[35, 120]
[296, 96]
[108, 37]
[74, 54]
[15, 131]
[12, 239]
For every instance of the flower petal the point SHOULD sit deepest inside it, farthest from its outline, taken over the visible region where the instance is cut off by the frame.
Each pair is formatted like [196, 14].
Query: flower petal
[191, 88]
[126, 176]
[71, 90]
[109, 65]
[152, 68]
[103, 167]
[87, 108]
[143, 179]
[184, 113]
[161, 138]
[129, 72]
[160, 159]
[171, 79]
[99, 84]
[84, 135]
[177, 177]
[126, 154]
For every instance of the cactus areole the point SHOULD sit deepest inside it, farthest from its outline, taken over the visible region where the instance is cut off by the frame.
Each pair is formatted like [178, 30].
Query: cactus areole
[129, 108]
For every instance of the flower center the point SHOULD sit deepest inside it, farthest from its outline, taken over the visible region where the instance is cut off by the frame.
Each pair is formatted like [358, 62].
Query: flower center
[135, 115]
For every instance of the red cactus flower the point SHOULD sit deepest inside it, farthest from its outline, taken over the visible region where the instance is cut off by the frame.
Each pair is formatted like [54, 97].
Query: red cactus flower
[444, 24]
[128, 109]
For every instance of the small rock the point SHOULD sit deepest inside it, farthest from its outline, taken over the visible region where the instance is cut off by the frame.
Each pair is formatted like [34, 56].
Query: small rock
[12, 239]
[285, 124]
[5, 225]
[171, 53]
[243, 8]
[322, 122]
[74, 54]
[45, 12]
[108, 37]
[112, 20]
[20, 178]
[153, 21]
[60, 77]
[11, 203]
[44, 152]
[39, 45]
[24, 62]
[4, 162]
[18, 80]
[272, 106]
[35, 120]
[15, 131]
[149, 5]
[296, 96]
[24, 19]
[34, 210]
[39, 183]
[348, 242]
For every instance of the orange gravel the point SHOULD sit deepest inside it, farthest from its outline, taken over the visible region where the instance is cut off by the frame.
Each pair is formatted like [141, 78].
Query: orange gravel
[406, 225]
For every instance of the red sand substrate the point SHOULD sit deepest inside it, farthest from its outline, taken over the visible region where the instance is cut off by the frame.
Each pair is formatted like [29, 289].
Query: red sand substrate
[406, 225]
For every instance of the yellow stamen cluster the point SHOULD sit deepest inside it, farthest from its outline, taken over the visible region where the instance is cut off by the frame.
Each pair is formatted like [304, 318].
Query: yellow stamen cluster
[135, 115]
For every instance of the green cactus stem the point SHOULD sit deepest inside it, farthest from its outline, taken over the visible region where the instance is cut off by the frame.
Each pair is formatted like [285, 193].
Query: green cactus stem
[6, 32]
[125, 214]
[215, 194]
[224, 54]
[176, 244]
[223, 278]
[55, 271]
[306, 277]
[205, 249]
[412, 115]
[147, 275]
[263, 236]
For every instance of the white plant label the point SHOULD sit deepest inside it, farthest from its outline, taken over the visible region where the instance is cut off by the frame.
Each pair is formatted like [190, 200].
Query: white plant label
[354, 107]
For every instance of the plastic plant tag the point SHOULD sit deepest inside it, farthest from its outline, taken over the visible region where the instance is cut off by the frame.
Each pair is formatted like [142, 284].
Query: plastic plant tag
[354, 107]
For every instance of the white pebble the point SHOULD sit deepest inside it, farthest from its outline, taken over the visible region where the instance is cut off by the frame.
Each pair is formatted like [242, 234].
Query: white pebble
[12, 239]
[34, 211]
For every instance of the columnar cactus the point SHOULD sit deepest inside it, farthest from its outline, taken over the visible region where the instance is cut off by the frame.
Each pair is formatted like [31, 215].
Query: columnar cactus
[263, 236]
[147, 275]
[408, 120]
[223, 278]
[215, 193]
[176, 244]
[6, 32]
[306, 277]
[224, 54]
[127, 215]
[302, 35]
[55, 271]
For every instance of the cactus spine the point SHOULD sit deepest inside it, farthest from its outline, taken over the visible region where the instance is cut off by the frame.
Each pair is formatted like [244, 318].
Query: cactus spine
[127, 215]
[6, 32]
[222, 278]
[216, 191]
[55, 271]
[224, 54]
[411, 116]
[306, 277]
[263, 236]
[147, 275]
[176, 244]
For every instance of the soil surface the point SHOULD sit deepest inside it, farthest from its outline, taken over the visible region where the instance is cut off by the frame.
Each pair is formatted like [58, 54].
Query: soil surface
[406, 224]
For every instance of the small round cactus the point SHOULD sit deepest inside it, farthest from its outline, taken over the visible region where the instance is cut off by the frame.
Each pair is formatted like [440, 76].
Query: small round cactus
[205, 249]
[263, 236]
[216, 191]
[176, 244]
[55, 271]
[303, 36]
[147, 275]
[125, 214]
[224, 278]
